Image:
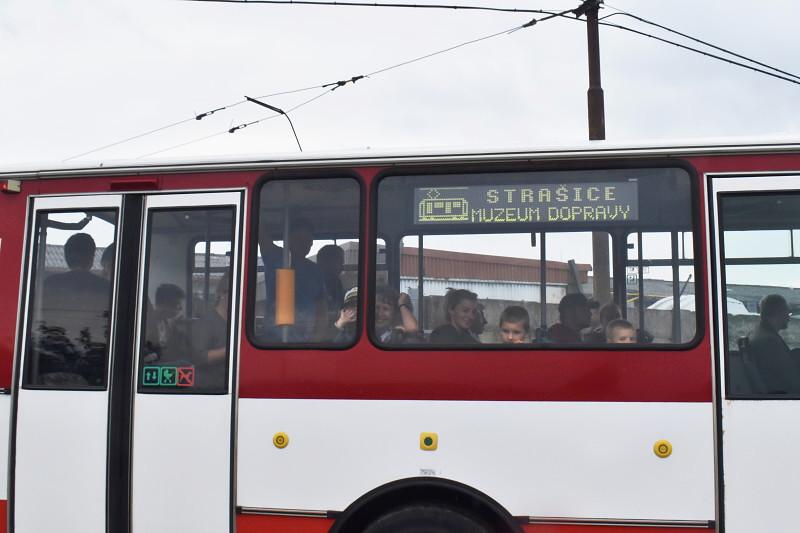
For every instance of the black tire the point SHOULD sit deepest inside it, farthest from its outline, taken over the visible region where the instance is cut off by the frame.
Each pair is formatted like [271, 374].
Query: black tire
[427, 519]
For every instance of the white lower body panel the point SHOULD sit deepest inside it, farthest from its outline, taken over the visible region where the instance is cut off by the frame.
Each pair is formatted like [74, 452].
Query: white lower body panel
[558, 459]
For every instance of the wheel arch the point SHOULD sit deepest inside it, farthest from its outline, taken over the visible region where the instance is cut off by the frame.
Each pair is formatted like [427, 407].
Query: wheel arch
[429, 490]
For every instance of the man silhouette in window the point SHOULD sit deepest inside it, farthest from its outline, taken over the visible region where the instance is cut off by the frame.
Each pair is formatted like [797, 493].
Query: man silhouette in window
[74, 319]
[768, 351]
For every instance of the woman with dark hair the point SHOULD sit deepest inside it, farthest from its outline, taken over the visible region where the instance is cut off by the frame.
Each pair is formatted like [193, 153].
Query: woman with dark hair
[461, 306]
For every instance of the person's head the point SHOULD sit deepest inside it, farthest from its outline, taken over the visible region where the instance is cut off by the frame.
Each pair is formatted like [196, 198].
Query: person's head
[775, 311]
[301, 237]
[620, 331]
[479, 324]
[107, 260]
[79, 252]
[169, 299]
[330, 260]
[574, 312]
[515, 324]
[608, 313]
[386, 309]
[350, 299]
[461, 305]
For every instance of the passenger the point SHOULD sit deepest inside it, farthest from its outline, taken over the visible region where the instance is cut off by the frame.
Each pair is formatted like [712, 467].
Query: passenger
[73, 332]
[346, 322]
[620, 331]
[515, 325]
[107, 261]
[309, 298]
[605, 315]
[479, 324]
[330, 260]
[394, 318]
[210, 340]
[574, 315]
[769, 352]
[460, 306]
[164, 340]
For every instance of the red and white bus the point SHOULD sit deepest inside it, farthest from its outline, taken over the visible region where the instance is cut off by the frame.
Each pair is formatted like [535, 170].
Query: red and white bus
[296, 344]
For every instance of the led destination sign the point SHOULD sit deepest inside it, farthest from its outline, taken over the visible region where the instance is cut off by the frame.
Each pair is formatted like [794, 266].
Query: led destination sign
[542, 203]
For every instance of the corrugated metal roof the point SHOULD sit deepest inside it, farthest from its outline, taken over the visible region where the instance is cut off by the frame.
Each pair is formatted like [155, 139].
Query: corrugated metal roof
[461, 265]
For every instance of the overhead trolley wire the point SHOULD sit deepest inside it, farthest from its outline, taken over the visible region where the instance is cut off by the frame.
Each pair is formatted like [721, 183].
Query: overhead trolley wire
[382, 4]
[330, 87]
[695, 39]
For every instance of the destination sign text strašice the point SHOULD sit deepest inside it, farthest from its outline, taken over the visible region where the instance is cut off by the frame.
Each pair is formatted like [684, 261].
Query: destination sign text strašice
[543, 203]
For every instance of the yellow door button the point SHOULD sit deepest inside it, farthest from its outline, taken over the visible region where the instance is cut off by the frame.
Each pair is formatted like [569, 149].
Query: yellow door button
[662, 448]
[428, 441]
[280, 440]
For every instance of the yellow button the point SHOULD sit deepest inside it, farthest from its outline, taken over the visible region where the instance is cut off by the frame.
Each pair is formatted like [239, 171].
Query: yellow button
[662, 448]
[280, 440]
[428, 441]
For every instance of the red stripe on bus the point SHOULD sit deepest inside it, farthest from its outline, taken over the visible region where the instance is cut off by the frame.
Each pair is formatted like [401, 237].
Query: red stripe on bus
[281, 524]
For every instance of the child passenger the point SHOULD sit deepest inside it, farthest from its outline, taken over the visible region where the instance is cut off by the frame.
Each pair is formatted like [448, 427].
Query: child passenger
[515, 325]
[620, 331]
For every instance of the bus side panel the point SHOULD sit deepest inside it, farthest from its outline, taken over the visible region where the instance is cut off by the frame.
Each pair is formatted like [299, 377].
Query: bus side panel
[12, 235]
[591, 460]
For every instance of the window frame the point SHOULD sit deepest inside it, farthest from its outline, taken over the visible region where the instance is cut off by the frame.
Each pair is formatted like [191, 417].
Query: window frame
[252, 257]
[549, 166]
[140, 333]
[723, 302]
[30, 297]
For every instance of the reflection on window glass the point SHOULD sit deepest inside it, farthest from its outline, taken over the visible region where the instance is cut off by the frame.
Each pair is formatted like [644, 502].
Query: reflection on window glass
[185, 338]
[471, 263]
[762, 287]
[71, 300]
[307, 262]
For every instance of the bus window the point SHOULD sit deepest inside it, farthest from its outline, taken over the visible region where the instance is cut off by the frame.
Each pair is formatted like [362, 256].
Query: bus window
[184, 343]
[762, 285]
[488, 259]
[307, 262]
[659, 272]
[71, 302]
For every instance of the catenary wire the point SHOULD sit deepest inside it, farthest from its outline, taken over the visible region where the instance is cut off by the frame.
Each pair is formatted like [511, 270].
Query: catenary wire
[381, 4]
[336, 85]
[695, 39]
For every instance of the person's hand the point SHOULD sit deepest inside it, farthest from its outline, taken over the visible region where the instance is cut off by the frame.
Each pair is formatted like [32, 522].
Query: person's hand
[346, 316]
[404, 299]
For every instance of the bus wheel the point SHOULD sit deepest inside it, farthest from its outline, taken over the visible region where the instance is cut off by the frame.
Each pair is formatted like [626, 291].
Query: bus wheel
[427, 519]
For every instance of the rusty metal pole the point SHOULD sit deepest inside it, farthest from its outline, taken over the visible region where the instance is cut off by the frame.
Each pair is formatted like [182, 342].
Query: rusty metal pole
[601, 272]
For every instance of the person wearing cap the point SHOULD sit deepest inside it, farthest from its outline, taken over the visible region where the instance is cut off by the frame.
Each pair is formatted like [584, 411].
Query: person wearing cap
[345, 324]
[574, 315]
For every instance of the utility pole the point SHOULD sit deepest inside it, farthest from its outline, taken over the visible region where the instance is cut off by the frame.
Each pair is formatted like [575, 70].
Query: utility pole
[601, 272]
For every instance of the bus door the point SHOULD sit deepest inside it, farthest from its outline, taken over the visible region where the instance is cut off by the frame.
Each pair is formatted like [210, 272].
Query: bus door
[124, 404]
[60, 451]
[756, 241]
[182, 459]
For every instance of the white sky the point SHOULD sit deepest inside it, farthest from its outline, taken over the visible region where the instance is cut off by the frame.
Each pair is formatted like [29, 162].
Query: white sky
[77, 75]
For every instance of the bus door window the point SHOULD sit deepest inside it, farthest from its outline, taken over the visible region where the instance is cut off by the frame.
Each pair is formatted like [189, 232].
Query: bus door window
[186, 319]
[659, 270]
[307, 262]
[71, 305]
[517, 248]
[761, 257]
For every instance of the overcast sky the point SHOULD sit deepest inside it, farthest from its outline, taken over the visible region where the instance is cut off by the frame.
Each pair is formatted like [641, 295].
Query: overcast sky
[79, 75]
